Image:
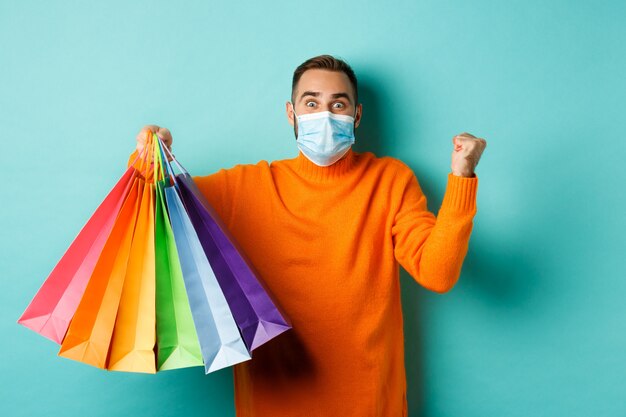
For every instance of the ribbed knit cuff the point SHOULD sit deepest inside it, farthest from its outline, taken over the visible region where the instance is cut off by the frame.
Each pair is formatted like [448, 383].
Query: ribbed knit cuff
[131, 158]
[145, 172]
[460, 194]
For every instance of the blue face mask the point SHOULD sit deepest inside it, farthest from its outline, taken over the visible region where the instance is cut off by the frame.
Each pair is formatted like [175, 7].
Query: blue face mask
[324, 137]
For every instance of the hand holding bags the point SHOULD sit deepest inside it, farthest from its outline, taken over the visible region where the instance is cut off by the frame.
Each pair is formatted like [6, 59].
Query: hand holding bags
[154, 281]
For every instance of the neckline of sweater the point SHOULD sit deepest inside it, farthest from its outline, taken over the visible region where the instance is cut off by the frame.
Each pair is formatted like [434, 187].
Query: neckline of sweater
[309, 170]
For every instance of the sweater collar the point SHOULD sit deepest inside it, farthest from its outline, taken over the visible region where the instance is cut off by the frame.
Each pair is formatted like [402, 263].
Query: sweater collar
[307, 169]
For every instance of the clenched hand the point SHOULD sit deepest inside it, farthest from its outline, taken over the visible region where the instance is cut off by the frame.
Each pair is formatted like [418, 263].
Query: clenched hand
[163, 133]
[466, 154]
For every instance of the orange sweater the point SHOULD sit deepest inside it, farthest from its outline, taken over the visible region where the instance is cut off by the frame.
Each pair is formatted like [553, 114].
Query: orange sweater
[327, 241]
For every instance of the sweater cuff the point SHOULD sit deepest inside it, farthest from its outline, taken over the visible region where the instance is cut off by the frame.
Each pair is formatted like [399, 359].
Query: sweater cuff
[133, 157]
[460, 194]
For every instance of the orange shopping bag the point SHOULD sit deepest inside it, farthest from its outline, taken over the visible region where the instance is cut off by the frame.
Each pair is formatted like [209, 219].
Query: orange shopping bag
[89, 334]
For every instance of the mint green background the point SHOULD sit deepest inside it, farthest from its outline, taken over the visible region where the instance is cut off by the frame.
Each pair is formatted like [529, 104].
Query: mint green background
[536, 325]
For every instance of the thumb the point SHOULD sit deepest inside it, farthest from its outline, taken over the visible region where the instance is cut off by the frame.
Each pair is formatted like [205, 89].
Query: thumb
[457, 144]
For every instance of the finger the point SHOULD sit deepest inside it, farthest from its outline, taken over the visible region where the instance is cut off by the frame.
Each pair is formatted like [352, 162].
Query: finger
[457, 144]
[165, 135]
[145, 131]
[460, 142]
[464, 136]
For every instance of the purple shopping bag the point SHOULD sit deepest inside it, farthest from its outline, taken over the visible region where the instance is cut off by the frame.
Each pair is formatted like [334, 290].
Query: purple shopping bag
[257, 315]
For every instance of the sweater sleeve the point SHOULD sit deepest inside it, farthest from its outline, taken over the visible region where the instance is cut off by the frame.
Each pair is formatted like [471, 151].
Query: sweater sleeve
[215, 188]
[432, 249]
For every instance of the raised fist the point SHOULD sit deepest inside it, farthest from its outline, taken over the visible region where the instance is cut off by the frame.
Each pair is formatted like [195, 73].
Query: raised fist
[466, 154]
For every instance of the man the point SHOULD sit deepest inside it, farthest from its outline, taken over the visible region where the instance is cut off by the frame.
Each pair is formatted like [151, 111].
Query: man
[327, 231]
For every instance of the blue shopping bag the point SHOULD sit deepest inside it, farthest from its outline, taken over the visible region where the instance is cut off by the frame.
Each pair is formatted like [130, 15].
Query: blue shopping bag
[220, 340]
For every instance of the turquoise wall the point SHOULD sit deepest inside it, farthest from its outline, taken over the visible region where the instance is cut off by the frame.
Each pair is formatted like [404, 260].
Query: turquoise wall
[536, 325]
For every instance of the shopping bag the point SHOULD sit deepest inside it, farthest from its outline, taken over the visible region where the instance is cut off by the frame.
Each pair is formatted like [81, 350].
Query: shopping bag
[151, 299]
[51, 310]
[89, 334]
[255, 312]
[220, 341]
[177, 340]
[134, 334]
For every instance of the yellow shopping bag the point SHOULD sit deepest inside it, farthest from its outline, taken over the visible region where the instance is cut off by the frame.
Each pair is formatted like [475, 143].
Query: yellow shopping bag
[134, 335]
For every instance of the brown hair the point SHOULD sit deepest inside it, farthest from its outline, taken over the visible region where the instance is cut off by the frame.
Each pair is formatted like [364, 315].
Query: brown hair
[327, 62]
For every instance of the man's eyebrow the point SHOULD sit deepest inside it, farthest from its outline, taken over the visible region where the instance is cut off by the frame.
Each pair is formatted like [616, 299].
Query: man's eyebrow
[317, 93]
[309, 93]
[345, 95]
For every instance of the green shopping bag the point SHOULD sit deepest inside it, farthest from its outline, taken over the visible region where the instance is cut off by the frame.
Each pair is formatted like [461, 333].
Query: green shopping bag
[177, 341]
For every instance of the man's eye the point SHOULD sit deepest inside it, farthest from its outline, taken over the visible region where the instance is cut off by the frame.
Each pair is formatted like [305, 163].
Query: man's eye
[310, 102]
[340, 105]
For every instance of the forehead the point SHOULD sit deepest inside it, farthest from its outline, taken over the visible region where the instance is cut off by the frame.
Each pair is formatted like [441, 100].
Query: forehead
[325, 81]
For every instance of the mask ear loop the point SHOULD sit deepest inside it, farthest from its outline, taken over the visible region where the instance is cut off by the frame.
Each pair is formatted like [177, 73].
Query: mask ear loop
[295, 118]
[293, 109]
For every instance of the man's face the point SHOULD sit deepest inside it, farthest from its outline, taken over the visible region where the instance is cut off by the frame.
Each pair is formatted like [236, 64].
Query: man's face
[323, 90]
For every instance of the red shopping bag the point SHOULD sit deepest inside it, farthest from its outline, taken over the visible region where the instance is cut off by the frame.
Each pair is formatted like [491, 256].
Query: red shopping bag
[51, 310]
[89, 334]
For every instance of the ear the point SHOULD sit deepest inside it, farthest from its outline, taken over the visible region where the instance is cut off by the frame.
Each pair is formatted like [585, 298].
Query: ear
[289, 112]
[359, 112]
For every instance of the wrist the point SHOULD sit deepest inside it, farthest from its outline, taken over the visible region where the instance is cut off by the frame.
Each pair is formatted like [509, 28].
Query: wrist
[464, 174]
